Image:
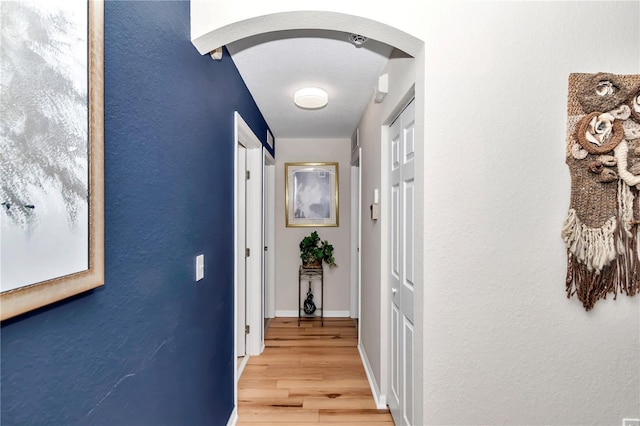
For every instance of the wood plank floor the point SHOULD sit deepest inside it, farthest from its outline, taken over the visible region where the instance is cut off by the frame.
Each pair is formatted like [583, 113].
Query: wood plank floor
[308, 375]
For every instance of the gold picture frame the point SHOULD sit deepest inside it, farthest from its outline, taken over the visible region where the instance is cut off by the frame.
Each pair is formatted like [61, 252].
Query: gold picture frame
[311, 194]
[32, 296]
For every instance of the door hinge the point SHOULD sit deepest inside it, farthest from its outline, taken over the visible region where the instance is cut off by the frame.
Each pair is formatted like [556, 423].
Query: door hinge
[247, 252]
[266, 248]
[247, 329]
[248, 174]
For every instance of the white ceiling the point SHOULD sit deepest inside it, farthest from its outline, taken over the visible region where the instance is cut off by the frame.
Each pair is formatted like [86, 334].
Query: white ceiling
[275, 65]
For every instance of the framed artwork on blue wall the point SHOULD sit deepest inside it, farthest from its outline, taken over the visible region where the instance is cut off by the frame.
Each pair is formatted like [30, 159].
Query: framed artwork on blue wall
[311, 194]
[51, 151]
[270, 140]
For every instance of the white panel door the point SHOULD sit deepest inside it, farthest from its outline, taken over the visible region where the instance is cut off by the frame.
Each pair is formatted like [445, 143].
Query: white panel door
[401, 191]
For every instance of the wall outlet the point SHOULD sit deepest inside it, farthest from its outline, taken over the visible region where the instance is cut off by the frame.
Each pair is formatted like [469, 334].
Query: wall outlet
[199, 267]
[630, 422]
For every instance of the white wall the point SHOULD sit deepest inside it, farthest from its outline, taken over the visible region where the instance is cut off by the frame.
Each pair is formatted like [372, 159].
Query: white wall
[401, 71]
[500, 343]
[503, 345]
[337, 280]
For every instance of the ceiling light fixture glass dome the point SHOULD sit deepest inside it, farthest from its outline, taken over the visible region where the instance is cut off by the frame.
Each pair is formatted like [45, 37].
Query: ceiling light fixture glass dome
[311, 98]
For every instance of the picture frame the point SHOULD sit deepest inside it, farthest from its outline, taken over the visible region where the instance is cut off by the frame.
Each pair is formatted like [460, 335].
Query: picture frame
[270, 140]
[311, 194]
[30, 296]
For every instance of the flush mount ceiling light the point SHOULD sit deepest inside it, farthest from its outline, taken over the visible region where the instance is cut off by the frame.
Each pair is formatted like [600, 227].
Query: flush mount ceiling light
[311, 98]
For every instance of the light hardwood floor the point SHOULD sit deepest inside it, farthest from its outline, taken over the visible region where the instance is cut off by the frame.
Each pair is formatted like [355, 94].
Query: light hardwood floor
[308, 375]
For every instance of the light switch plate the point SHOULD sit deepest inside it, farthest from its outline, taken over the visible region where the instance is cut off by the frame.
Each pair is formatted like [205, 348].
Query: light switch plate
[375, 211]
[199, 267]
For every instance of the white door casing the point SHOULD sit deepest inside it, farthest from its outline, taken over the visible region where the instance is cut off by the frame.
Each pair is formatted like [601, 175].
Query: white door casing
[269, 180]
[356, 201]
[246, 141]
[246, 137]
[401, 144]
[241, 264]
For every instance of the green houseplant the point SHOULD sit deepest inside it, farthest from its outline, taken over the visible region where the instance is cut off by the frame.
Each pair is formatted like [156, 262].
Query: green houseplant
[313, 251]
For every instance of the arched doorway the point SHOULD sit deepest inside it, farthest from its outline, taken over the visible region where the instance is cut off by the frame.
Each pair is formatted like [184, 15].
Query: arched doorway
[207, 36]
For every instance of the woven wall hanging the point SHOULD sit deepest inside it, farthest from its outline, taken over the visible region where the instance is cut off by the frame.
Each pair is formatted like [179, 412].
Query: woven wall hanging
[603, 155]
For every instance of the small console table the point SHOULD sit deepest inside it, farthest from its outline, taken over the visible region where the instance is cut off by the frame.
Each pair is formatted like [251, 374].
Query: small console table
[309, 275]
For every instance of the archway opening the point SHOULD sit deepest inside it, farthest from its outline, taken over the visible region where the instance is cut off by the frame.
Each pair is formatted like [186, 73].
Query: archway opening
[207, 36]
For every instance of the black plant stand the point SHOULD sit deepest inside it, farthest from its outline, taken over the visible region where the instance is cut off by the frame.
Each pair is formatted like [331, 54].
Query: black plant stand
[309, 275]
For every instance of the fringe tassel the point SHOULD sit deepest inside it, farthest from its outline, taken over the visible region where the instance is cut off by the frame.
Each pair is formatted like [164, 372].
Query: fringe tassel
[593, 247]
[589, 286]
[625, 206]
[584, 279]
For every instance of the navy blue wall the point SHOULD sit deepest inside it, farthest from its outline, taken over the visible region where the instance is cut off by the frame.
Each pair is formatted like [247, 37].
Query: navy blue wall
[152, 346]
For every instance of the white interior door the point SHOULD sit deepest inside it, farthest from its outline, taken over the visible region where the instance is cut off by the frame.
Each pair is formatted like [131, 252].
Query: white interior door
[248, 222]
[401, 191]
[241, 244]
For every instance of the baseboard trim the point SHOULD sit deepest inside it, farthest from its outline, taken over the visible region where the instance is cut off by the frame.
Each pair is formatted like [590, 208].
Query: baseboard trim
[328, 314]
[337, 314]
[380, 400]
[243, 363]
[233, 418]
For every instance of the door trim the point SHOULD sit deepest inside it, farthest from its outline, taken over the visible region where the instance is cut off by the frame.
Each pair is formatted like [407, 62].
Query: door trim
[356, 201]
[240, 230]
[269, 177]
[244, 135]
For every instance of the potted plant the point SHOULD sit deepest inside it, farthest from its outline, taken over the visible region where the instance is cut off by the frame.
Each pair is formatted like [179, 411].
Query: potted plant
[313, 251]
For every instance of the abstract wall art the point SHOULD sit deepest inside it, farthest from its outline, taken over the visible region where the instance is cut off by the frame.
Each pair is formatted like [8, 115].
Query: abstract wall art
[311, 194]
[51, 152]
[603, 155]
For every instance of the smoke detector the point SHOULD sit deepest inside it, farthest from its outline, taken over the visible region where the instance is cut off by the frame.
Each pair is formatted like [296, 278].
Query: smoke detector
[357, 39]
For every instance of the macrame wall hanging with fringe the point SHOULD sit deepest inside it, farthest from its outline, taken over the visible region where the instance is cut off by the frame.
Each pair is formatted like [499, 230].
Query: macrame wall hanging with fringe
[603, 155]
